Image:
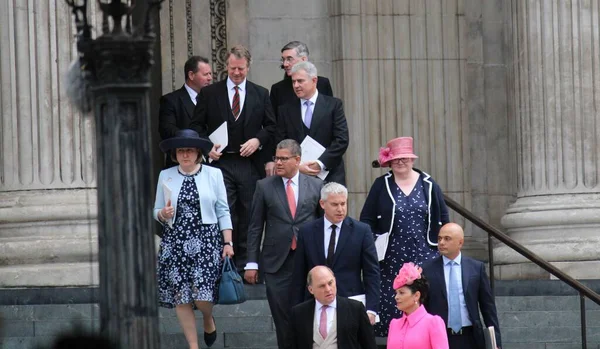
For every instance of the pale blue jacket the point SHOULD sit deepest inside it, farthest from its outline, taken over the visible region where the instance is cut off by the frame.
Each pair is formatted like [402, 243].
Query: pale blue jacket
[211, 190]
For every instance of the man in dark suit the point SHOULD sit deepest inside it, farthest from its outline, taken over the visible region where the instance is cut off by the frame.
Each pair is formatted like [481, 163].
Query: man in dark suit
[282, 92]
[246, 109]
[281, 204]
[340, 322]
[459, 289]
[319, 116]
[177, 108]
[344, 245]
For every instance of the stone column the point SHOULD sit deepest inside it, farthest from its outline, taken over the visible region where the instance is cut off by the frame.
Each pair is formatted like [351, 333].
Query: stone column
[555, 70]
[47, 155]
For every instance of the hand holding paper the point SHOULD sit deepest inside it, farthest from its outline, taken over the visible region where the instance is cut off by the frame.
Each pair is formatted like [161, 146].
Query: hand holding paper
[311, 151]
[220, 137]
[168, 211]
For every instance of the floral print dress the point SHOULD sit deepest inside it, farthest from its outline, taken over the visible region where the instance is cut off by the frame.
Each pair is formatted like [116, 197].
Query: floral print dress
[189, 260]
[408, 243]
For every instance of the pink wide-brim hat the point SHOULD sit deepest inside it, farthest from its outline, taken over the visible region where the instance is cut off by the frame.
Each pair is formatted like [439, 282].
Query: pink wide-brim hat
[397, 148]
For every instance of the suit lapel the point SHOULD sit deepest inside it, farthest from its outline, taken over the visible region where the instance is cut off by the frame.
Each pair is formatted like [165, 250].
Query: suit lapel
[465, 274]
[281, 194]
[302, 188]
[318, 115]
[439, 271]
[344, 233]
[224, 105]
[320, 240]
[187, 103]
[296, 118]
[249, 101]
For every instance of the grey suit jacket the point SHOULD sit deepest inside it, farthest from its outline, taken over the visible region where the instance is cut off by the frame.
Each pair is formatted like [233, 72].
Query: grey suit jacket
[270, 210]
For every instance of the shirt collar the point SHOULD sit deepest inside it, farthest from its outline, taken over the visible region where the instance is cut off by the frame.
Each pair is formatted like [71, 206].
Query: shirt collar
[415, 316]
[231, 85]
[313, 99]
[193, 94]
[457, 260]
[294, 179]
[318, 304]
[328, 223]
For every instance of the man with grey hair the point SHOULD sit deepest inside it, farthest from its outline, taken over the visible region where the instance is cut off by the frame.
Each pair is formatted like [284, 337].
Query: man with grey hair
[319, 116]
[281, 204]
[343, 244]
[282, 92]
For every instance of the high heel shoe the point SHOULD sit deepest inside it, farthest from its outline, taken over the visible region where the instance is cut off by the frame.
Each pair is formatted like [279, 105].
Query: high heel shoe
[210, 338]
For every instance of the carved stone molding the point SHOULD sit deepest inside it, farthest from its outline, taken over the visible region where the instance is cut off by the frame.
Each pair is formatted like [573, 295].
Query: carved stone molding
[218, 37]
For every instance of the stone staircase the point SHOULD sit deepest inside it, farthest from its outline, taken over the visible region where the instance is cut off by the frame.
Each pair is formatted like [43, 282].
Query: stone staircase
[539, 314]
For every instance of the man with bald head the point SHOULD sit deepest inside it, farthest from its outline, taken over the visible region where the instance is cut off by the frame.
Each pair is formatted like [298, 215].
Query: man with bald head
[459, 290]
[329, 321]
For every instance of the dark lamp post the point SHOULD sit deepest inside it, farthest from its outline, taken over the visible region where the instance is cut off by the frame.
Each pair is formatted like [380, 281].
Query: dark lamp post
[115, 70]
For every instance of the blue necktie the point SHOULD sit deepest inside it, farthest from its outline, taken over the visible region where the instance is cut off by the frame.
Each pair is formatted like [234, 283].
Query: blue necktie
[308, 114]
[454, 318]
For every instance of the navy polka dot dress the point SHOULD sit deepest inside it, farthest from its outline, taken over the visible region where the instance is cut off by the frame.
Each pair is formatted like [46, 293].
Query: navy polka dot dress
[408, 243]
[189, 261]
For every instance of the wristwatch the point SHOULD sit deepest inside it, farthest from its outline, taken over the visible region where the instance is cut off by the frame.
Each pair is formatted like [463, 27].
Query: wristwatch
[230, 243]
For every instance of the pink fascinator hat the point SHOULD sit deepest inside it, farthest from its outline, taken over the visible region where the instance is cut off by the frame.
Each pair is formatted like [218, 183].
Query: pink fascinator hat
[407, 275]
[397, 148]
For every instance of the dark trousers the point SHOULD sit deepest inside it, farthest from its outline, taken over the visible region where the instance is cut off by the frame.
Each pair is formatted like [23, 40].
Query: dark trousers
[240, 176]
[278, 285]
[465, 341]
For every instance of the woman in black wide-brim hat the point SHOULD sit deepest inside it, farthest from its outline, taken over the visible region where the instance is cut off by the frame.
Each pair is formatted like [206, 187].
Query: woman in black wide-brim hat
[191, 204]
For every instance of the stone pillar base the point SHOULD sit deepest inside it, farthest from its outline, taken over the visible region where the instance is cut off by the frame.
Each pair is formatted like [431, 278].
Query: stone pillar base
[48, 238]
[562, 229]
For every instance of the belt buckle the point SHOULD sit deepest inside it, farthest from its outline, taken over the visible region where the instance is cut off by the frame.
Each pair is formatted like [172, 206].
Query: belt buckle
[459, 333]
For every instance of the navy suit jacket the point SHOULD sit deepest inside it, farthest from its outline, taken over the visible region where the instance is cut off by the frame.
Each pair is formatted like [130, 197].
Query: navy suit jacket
[355, 263]
[329, 128]
[477, 292]
[354, 331]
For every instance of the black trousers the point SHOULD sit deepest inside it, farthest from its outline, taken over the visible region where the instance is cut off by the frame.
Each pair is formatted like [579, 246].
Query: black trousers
[464, 341]
[240, 178]
[278, 285]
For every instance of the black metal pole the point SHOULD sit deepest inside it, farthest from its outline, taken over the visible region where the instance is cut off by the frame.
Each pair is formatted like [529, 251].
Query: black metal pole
[583, 321]
[491, 263]
[116, 67]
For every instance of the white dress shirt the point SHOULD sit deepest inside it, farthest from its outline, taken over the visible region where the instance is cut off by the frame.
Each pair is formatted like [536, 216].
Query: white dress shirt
[254, 265]
[303, 109]
[241, 92]
[330, 311]
[294, 185]
[193, 94]
[457, 269]
[327, 234]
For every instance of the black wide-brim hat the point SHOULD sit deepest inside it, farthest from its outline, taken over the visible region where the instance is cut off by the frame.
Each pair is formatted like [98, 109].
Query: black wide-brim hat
[186, 138]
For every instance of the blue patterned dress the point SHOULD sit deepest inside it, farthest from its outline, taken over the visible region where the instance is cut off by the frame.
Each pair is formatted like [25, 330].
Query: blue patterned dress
[408, 243]
[189, 261]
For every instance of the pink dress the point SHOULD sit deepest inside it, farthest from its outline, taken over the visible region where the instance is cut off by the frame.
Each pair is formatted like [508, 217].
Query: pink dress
[419, 330]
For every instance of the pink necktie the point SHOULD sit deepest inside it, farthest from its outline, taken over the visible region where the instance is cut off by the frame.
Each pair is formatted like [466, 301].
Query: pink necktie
[323, 323]
[289, 192]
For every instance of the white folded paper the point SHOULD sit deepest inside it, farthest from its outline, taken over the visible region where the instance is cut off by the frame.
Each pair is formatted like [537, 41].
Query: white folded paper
[363, 299]
[311, 151]
[220, 136]
[381, 244]
[490, 338]
[167, 197]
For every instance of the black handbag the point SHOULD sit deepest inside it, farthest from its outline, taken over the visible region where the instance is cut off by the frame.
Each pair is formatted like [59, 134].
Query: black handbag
[231, 286]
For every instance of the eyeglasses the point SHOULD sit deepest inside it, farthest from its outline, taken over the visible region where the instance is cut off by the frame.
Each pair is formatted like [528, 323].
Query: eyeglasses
[283, 158]
[399, 160]
[288, 59]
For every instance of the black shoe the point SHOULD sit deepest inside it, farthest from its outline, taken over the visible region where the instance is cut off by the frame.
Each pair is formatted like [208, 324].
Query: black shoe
[210, 338]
